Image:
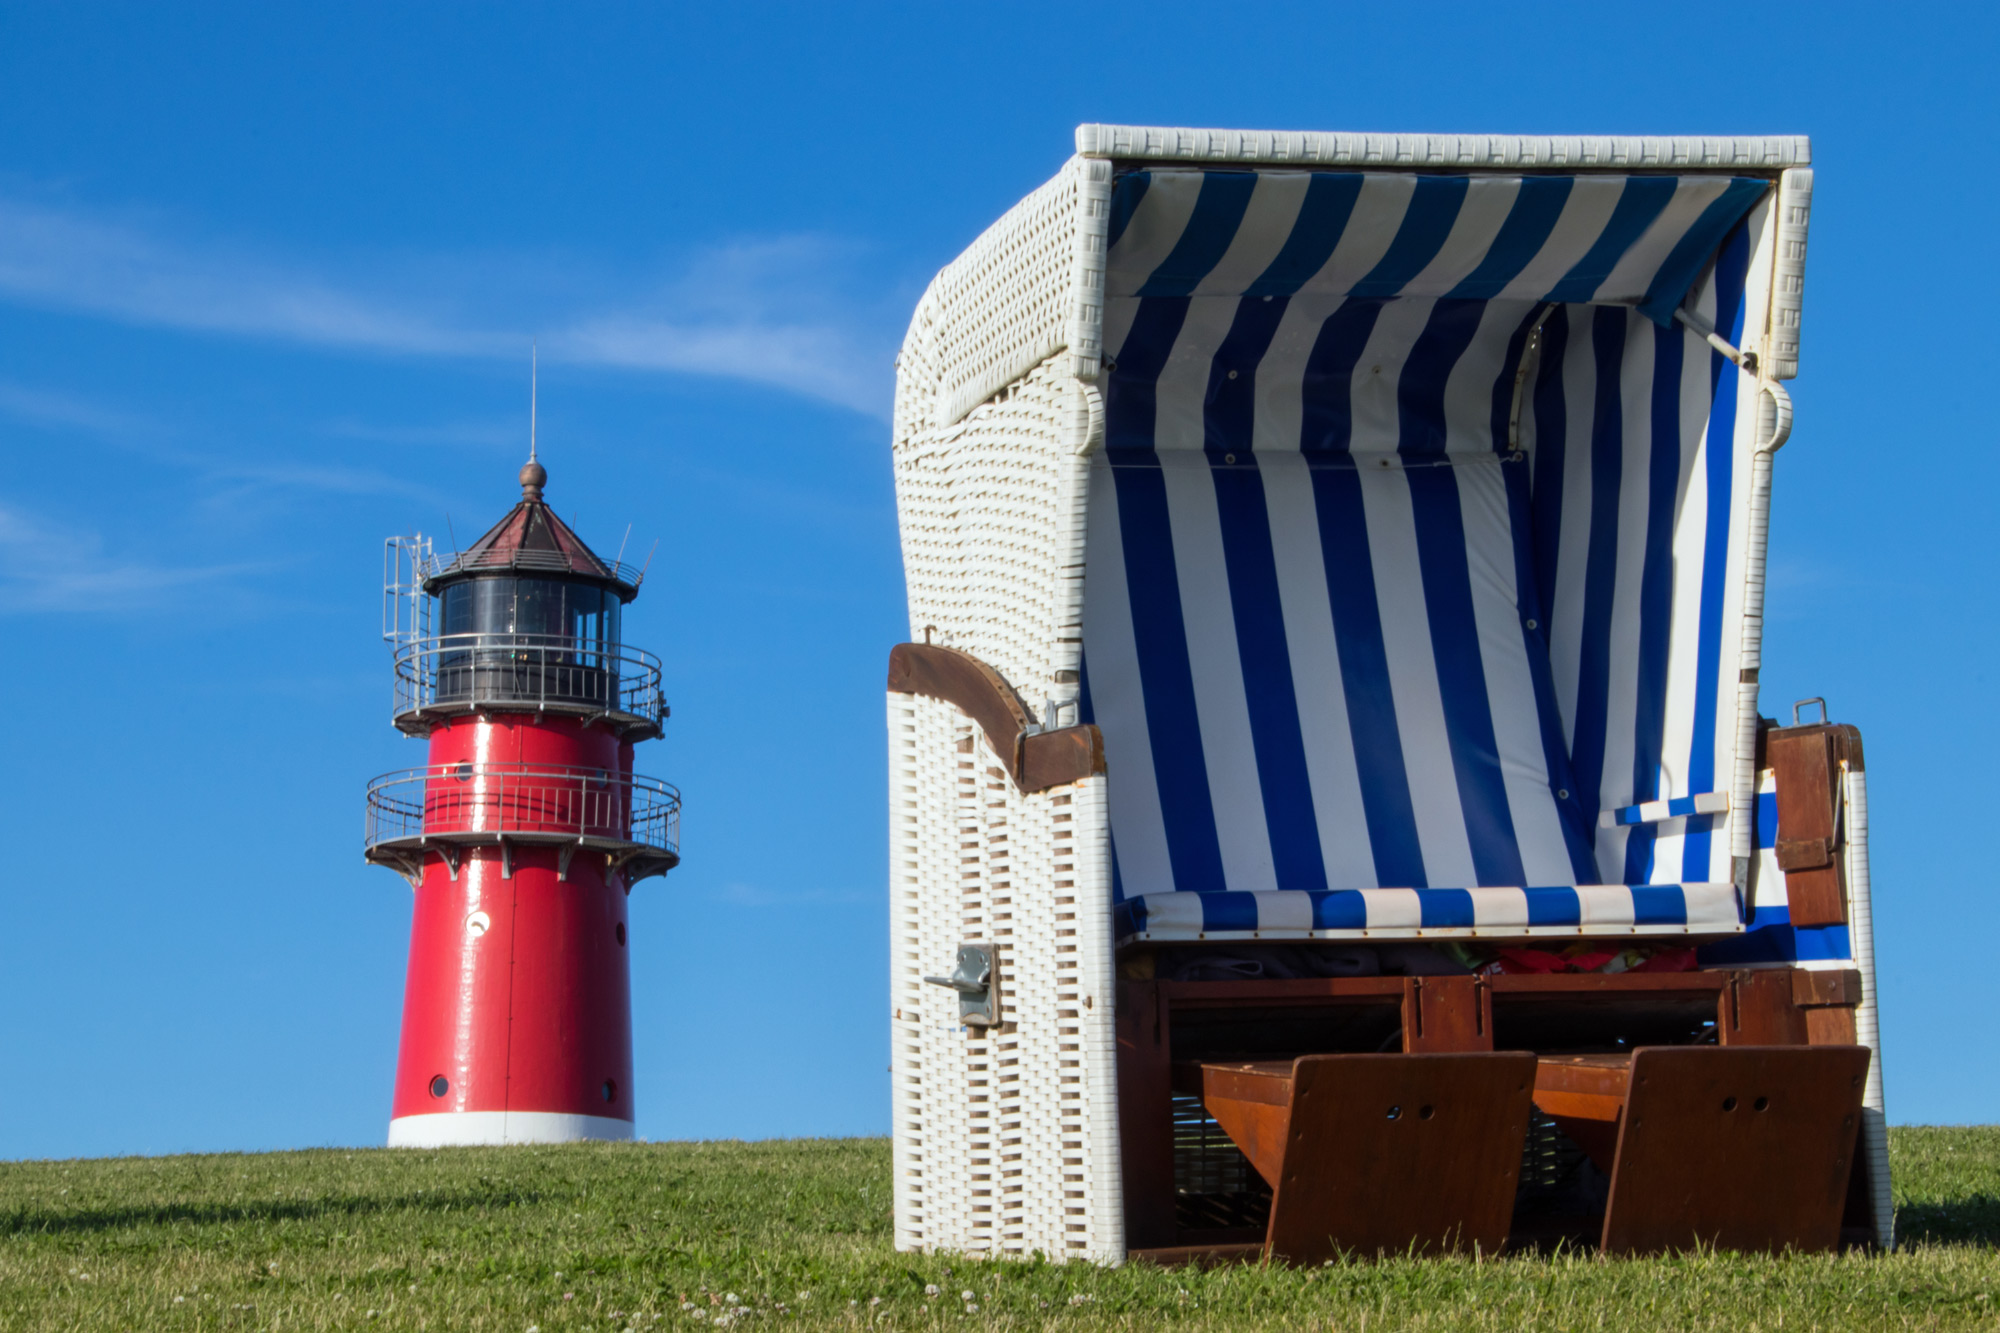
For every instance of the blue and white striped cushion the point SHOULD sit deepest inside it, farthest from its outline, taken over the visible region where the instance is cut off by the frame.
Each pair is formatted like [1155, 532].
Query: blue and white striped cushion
[1315, 634]
[1649, 909]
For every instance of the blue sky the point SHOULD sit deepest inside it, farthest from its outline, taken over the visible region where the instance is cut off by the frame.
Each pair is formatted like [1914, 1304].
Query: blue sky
[268, 279]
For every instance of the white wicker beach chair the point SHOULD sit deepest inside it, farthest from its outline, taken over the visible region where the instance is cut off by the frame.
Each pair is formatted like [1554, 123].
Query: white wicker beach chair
[1322, 548]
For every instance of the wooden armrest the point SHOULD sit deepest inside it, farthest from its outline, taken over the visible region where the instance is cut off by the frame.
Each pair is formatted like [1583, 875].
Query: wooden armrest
[1035, 761]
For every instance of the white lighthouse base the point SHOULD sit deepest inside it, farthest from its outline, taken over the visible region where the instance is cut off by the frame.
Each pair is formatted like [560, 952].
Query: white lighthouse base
[448, 1129]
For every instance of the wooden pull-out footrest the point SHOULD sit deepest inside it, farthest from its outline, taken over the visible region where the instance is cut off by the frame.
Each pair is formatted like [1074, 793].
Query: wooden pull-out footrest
[1739, 1147]
[1370, 1154]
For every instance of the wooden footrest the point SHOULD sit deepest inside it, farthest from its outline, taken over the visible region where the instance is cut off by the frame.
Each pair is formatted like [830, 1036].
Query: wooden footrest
[1739, 1147]
[1371, 1154]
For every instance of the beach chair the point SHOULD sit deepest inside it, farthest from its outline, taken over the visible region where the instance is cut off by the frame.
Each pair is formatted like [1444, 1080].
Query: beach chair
[1329, 806]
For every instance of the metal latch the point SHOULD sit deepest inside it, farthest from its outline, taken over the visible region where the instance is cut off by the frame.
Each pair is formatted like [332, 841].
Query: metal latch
[972, 978]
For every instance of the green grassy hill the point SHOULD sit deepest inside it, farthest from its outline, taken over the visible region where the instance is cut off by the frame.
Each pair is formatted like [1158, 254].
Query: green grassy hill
[697, 1235]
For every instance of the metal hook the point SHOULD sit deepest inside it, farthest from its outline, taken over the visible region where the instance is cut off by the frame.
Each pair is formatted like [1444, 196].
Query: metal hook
[972, 978]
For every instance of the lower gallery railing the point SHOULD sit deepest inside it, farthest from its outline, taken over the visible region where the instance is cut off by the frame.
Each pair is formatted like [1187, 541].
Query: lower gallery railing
[471, 801]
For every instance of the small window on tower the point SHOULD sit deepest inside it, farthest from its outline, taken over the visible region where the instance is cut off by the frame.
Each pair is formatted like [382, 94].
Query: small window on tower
[440, 1085]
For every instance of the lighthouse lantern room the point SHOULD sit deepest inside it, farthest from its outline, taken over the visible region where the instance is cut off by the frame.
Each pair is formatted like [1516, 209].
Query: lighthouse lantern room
[523, 835]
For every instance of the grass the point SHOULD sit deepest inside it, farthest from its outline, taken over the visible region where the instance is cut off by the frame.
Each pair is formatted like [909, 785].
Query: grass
[638, 1236]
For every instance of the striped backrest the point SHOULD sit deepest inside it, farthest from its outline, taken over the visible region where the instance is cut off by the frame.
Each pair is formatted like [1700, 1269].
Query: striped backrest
[1409, 537]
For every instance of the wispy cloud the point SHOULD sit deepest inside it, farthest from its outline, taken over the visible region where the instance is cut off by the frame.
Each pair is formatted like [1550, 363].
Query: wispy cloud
[46, 407]
[762, 313]
[817, 362]
[66, 261]
[240, 477]
[48, 567]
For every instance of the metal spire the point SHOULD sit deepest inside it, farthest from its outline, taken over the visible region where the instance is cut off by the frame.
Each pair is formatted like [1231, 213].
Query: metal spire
[533, 475]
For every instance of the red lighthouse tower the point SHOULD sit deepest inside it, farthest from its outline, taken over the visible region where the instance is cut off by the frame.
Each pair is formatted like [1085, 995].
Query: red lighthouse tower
[522, 836]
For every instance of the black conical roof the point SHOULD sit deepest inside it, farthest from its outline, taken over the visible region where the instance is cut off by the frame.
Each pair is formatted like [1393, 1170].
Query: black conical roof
[531, 539]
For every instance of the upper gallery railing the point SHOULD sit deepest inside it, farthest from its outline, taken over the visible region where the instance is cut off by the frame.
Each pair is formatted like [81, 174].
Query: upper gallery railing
[468, 672]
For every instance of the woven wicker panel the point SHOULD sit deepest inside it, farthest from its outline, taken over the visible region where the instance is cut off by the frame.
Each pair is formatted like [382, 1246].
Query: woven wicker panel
[991, 313]
[1019, 294]
[985, 506]
[1005, 1139]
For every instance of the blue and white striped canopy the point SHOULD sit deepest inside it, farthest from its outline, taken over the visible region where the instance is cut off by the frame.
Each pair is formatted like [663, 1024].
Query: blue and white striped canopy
[1342, 633]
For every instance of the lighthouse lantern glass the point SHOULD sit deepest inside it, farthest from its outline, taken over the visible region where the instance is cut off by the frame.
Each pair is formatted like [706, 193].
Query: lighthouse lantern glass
[581, 612]
[540, 640]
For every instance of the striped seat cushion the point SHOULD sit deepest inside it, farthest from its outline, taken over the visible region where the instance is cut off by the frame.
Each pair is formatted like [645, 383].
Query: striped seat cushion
[1348, 914]
[1346, 627]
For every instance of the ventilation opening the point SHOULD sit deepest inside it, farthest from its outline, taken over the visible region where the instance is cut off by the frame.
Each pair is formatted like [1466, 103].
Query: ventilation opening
[1217, 1193]
[1562, 1194]
[1609, 1024]
[440, 1085]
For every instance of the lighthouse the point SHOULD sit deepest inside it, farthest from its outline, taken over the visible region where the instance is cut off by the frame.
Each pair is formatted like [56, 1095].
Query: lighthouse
[524, 833]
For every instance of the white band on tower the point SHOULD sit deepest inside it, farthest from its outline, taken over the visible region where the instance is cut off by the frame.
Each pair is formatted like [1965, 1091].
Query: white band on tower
[446, 1129]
